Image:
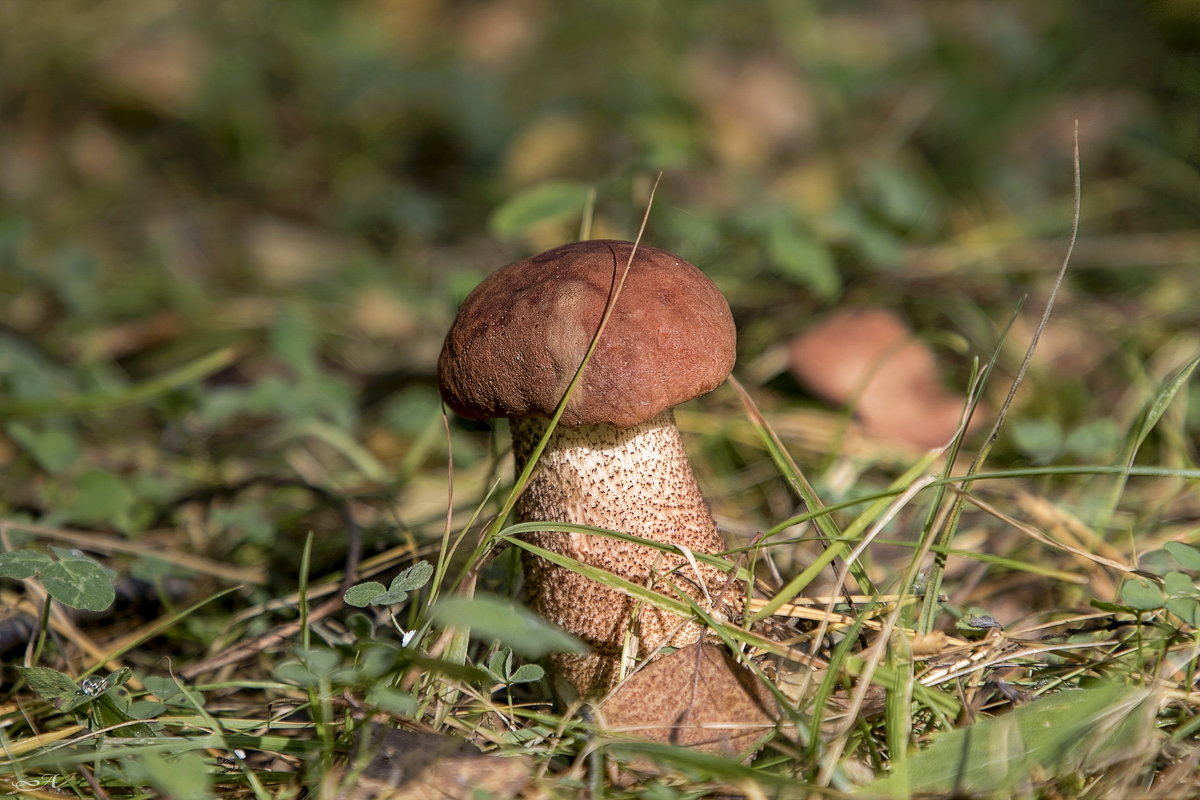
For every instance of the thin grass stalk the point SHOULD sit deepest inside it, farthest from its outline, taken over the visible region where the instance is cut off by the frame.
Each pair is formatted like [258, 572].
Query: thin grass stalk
[519, 484]
[302, 589]
[218, 730]
[937, 571]
[154, 629]
[871, 660]
[899, 711]
[39, 642]
[589, 212]
[831, 535]
[835, 672]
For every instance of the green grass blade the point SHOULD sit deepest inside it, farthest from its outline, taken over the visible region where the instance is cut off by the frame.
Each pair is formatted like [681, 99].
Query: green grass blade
[800, 485]
[147, 390]
[839, 546]
[1059, 735]
[1137, 437]
[941, 546]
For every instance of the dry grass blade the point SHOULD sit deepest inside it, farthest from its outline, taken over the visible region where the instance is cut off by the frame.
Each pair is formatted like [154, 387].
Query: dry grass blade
[1038, 536]
[523, 479]
[938, 569]
[103, 543]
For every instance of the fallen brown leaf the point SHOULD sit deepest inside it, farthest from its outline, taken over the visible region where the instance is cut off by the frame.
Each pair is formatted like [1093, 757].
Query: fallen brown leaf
[869, 358]
[412, 765]
[698, 697]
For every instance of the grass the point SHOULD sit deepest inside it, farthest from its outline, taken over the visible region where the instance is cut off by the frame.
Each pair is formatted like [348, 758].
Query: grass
[230, 245]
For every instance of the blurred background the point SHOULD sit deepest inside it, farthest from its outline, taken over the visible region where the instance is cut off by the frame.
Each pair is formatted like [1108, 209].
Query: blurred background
[318, 184]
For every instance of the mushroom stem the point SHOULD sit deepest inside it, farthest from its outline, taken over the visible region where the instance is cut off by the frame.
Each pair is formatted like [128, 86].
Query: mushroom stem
[635, 480]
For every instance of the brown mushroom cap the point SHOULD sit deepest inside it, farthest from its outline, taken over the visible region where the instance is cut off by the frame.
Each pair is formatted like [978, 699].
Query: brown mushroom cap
[522, 333]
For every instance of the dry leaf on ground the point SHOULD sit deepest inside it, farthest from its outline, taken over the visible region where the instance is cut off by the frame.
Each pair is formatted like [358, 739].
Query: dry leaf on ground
[410, 765]
[698, 697]
[870, 359]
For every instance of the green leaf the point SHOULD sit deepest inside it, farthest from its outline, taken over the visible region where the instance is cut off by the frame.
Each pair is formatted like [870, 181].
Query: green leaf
[392, 700]
[373, 593]
[92, 688]
[78, 581]
[162, 688]
[100, 498]
[361, 595]
[1187, 555]
[293, 339]
[54, 449]
[1136, 437]
[360, 625]
[21, 564]
[50, 684]
[899, 194]
[1039, 439]
[1162, 400]
[170, 692]
[875, 244]
[147, 709]
[1072, 732]
[412, 578]
[545, 202]
[1179, 584]
[526, 673]
[1094, 440]
[451, 669]
[320, 661]
[94, 695]
[248, 518]
[378, 659]
[500, 663]
[803, 260]
[1142, 595]
[188, 374]
[106, 713]
[118, 678]
[1186, 608]
[183, 777]
[315, 665]
[388, 598]
[519, 628]
[295, 673]
[1111, 608]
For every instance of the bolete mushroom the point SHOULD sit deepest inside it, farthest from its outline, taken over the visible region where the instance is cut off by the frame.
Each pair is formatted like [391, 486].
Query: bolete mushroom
[615, 460]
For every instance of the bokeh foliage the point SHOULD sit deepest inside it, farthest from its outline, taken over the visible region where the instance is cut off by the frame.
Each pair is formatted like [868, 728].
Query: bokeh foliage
[234, 232]
[322, 182]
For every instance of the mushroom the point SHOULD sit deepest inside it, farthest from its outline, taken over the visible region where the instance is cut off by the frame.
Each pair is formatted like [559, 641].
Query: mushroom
[615, 460]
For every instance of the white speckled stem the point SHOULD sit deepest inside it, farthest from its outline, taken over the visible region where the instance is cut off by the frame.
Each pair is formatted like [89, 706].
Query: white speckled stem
[635, 480]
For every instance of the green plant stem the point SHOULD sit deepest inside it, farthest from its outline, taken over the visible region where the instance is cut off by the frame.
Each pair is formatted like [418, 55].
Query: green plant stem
[491, 534]
[154, 630]
[302, 591]
[43, 629]
[937, 571]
